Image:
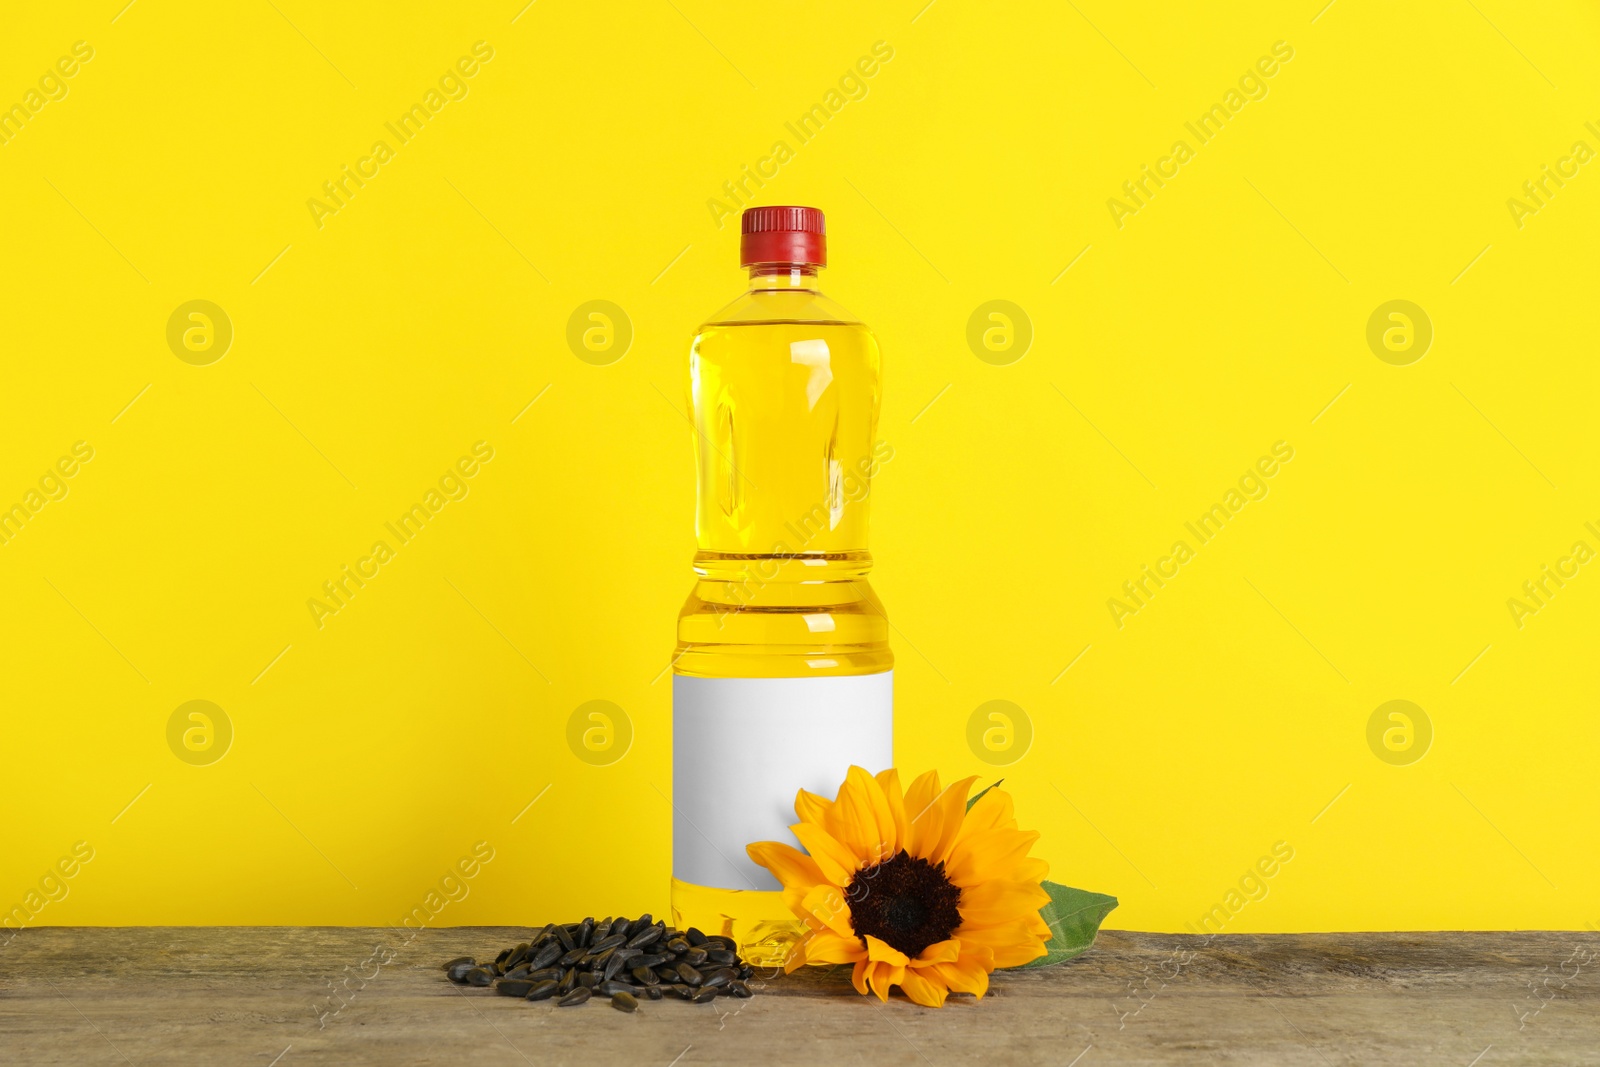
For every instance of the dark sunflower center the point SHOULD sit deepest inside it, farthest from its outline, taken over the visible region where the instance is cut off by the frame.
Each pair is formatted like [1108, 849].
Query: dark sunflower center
[904, 902]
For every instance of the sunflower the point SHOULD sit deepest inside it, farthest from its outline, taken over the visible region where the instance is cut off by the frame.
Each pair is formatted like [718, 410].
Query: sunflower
[913, 888]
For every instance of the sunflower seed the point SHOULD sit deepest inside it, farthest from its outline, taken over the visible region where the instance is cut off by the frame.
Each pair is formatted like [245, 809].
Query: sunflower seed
[610, 941]
[627, 960]
[646, 937]
[576, 997]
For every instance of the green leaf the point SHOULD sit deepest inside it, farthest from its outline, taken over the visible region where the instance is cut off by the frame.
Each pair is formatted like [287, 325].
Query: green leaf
[1074, 916]
[973, 800]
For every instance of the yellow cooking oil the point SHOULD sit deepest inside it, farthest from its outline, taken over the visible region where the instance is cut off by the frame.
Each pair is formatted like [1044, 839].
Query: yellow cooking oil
[782, 667]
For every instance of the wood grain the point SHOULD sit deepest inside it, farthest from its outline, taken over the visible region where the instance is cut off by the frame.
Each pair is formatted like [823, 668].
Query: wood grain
[263, 996]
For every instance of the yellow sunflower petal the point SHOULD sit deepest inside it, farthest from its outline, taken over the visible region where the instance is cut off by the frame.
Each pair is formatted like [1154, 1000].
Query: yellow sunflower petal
[788, 865]
[794, 958]
[1001, 902]
[809, 807]
[826, 904]
[837, 863]
[1013, 944]
[824, 946]
[988, 855]
[924, 988]
[1032, 869]
[940, 952]
[889, 781]
[883, 976]
[993, 811]
[1018, 954]
[858, 975]
[923, 821]
[981, 956]
[794, 898]
[952, 805]
[964, 976]
[883, 952]
[861, 820]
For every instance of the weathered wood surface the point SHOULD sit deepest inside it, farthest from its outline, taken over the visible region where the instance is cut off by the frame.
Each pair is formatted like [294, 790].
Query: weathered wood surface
[263, 996]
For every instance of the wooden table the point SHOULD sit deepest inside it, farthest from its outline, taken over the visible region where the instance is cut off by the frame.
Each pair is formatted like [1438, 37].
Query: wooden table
[264, 997]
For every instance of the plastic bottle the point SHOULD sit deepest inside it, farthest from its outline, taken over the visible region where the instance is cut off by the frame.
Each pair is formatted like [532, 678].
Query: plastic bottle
[783, 675]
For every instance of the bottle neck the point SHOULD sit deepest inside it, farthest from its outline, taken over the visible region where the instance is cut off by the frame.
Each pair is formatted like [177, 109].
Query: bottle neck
[783, 568]
[769, 277]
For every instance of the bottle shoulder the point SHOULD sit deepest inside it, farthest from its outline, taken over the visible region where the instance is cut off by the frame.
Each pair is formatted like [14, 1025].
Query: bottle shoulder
[781, 305]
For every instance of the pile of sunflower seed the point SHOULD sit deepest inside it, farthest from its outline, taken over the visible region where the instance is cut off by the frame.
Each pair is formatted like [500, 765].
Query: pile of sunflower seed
[627, 960]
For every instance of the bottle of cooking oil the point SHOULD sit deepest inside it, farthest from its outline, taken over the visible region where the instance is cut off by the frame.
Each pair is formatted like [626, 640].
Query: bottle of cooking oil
[783, 675]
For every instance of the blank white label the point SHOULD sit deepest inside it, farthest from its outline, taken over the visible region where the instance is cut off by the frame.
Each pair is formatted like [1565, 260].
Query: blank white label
[743, 747]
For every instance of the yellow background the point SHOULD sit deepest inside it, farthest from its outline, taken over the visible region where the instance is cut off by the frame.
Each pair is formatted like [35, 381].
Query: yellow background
[370, 754]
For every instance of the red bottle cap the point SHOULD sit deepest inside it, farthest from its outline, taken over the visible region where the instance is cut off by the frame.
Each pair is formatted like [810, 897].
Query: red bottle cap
[783, 236]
